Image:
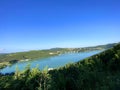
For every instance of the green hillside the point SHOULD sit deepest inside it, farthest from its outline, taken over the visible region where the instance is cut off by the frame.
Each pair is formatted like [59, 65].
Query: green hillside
[26, 55]
[99, 72]
[30, 55]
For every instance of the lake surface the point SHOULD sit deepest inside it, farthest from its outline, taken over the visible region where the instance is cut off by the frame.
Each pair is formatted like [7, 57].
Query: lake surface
[51, 62]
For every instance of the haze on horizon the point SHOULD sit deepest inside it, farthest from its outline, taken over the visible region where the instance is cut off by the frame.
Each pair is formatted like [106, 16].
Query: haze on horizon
[43, 24]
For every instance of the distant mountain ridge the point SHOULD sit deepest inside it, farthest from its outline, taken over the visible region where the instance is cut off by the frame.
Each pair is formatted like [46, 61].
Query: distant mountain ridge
[106, 46]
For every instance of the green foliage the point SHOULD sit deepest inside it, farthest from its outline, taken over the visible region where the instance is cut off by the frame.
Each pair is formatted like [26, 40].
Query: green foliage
[26, 80]
[2, 66]
[99, 72]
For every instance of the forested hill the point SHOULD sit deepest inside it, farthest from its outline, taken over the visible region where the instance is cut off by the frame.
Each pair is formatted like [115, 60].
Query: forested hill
[106, 46]
[99, 72]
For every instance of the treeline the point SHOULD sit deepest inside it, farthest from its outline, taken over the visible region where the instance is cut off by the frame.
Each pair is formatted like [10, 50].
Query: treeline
[99, 72]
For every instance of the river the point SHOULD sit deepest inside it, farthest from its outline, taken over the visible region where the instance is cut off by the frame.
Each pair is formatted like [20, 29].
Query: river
[51, 62]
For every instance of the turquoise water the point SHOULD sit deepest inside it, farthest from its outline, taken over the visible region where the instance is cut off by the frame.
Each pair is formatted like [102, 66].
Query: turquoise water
[51, 62]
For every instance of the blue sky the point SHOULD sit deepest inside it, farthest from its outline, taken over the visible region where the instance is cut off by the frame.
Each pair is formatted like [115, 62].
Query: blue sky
[43, 24]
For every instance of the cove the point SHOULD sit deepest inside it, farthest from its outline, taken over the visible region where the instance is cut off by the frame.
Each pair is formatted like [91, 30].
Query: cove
[51, 62]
